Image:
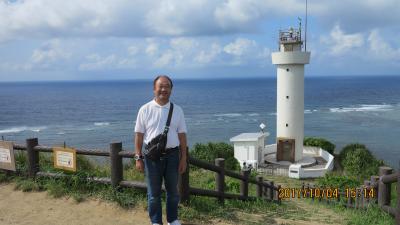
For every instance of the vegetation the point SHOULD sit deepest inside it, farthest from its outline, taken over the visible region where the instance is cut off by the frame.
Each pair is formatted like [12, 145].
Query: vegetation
[349, 148]
[210, 151]
[203, 209]
[338, 181]
[319, 142]
[358, 161]
[372, 215]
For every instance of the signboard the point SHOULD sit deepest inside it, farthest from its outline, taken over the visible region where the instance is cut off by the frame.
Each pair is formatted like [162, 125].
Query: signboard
[7, 160]
[64, 158]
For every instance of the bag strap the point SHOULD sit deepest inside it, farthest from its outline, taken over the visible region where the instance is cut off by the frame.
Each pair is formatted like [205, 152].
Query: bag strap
[171, 109]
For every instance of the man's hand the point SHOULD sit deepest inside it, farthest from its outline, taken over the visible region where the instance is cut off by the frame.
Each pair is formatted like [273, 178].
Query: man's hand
[140, 165]
[182, 165]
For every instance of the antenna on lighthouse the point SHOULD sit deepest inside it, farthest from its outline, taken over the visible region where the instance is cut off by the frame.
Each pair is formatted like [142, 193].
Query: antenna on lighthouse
[305, 32]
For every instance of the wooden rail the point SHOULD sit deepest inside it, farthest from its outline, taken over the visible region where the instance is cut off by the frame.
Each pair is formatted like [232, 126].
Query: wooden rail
[264, 189]
[380, 185]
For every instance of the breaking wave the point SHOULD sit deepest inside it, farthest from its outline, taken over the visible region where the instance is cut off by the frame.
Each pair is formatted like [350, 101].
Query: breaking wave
[101, 123]
[363, 108]
[21, 129]
[229, 114]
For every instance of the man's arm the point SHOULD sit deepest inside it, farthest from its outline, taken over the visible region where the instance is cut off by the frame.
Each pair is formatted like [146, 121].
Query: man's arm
[184, 153]
[138, 143]
[183, 145]
[138, 150]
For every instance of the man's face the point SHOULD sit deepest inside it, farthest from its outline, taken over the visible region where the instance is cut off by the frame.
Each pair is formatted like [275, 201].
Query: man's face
[162, 89]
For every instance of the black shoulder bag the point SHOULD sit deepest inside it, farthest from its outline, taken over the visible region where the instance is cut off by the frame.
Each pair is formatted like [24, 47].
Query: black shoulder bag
[157, 145]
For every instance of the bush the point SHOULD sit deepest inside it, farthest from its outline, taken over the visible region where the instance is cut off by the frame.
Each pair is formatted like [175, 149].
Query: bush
[210, 151]
[349, 148]
[360, 163]
[337, 181]
[319, 142]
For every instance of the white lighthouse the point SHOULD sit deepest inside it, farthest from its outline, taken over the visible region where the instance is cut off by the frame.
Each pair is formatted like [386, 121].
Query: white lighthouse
[290, 61]
[288, 157]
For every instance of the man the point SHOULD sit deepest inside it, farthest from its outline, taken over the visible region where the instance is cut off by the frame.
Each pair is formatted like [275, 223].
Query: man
[150, 122]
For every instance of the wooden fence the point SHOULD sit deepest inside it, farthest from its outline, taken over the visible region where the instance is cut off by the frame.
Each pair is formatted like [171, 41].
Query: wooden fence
[377, 190]
[264, 189]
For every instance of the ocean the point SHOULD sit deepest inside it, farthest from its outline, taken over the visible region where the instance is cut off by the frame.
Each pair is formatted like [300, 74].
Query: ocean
[92, 114]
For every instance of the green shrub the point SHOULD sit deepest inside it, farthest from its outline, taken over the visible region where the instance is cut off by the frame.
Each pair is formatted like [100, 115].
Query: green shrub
[232, 185]
[210, 151]
[349, 148]
[360, 163]
[26, 185]
[319, 142]
[56, 188]
[337, 181]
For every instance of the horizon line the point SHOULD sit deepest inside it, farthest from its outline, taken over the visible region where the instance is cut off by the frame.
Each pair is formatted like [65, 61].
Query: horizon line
[197, 78]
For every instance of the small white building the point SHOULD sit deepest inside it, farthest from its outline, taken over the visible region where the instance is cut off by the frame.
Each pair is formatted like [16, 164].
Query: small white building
[248, 148]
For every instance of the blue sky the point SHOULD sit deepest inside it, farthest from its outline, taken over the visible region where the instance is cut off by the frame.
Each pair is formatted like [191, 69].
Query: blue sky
[121, 39]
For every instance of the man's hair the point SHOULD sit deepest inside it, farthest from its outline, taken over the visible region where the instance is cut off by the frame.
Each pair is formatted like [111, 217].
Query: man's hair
[165, 76]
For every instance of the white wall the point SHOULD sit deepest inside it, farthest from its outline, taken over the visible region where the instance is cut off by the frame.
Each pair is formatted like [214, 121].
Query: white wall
[311, 173]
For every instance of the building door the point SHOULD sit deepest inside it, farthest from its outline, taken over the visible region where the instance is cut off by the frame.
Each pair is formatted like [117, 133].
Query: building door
[285, 150]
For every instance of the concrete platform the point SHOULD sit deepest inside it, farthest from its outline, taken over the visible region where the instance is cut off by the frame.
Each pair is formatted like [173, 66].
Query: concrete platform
[306, 161]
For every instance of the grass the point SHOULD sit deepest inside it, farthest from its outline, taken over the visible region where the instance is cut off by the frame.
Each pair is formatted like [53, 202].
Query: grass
[200, 209]
[371, 215]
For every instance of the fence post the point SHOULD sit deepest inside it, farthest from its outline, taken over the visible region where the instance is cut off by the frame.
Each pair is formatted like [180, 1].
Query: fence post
[357, 201]
[338, 197]
[244, 184]
[116, 164]
[33, 156]
[349, 201]
[398, 198]
[374, 185]
[183, 185]
[312, 190]
[384, 189]
[318, 187]
[220, 179]
[277, 195]
[271, 190]
[259, 188]
[367, 188]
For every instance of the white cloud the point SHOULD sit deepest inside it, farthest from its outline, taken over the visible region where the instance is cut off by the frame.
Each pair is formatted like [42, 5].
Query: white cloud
[152, 47]
[340, 43]
[239, 47]
[133, 50]
[165, 60]
[97, 62]
[233, 15]
[208, 56]
[49, 52]
[140, 18]
[380, 49]
[245, 51]
[356, 15]
[179, 51]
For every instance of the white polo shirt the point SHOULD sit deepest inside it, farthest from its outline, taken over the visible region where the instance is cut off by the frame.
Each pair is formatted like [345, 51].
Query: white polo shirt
[151, 120]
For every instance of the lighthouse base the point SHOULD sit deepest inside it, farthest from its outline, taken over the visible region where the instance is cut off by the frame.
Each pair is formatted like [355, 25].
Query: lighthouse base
[315, 163]
[306, 161]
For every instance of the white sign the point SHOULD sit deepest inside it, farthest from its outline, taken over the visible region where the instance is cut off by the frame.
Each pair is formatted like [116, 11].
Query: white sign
[7, 161]
[5, 155]
[64, 158]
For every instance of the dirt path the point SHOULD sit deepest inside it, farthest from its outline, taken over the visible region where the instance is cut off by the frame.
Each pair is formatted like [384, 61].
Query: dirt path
[37, 208]
[17, 207]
